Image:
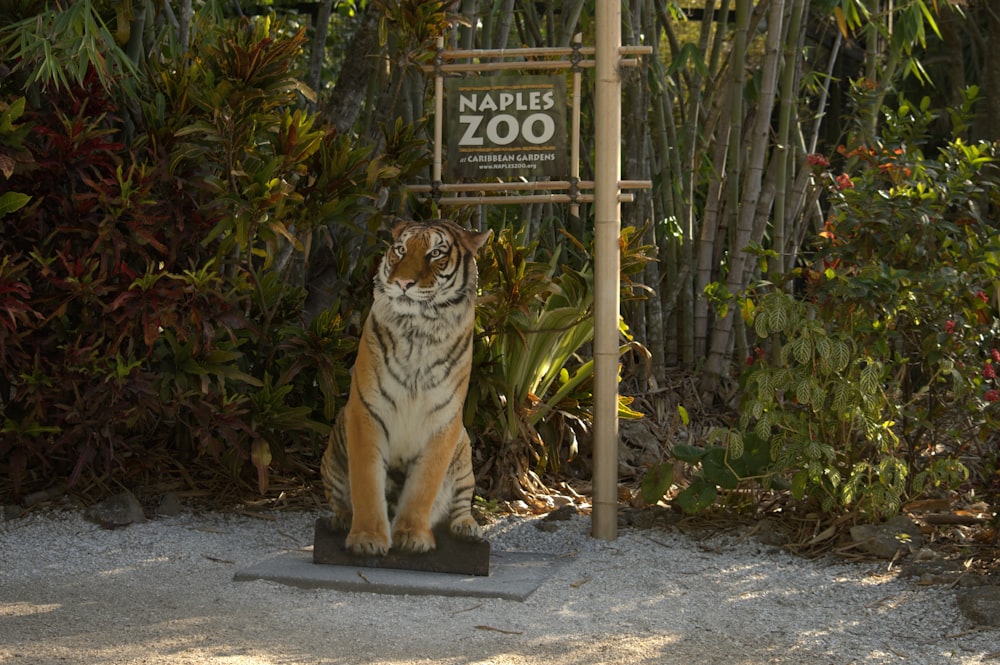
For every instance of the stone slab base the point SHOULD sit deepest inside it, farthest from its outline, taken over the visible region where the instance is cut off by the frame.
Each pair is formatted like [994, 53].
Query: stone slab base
[452, 555]
[513, 576]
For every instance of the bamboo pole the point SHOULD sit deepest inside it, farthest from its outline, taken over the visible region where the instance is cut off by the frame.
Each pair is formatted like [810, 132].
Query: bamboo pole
[461, 54]
[574, 140]
[511, 64]
[477, 56]
[607, 232]
[524, 198]
[532, 185]
[522, 65]
[438, 115]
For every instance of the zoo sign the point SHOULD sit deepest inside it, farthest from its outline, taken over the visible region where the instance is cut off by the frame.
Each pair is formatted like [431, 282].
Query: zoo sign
[502, 126]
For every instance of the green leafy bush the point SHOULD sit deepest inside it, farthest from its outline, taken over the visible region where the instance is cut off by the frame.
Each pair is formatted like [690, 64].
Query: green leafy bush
[877, 382]
[531, 397]
[12, 134]
[828, 409]
[717, 465]
[152, 316]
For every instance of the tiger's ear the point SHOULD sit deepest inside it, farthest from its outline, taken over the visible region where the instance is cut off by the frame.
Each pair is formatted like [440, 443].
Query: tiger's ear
[475, 241]
[398, 226]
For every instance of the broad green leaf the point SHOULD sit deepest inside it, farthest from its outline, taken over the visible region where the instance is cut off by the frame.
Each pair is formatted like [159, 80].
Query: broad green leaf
[697, 497]
[716, 469]
[686, 453]
[12, 201]
[870, 377]
[735, 443]
[803, 392]
[765, 384]
[824, 348]
[799, 481]
[657, 481]
[763, 426]
[802, 350]
[841, 356]
[760, 324]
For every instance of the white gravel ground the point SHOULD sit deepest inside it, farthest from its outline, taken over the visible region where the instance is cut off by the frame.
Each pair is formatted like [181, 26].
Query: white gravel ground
[162, 592]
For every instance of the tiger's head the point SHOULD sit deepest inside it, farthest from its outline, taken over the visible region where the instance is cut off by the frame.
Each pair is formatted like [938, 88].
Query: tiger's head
[431, 262]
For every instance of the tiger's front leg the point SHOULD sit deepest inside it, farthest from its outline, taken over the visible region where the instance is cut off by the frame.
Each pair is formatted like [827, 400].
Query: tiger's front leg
[463, 524]
[411, 529]
[369, 534]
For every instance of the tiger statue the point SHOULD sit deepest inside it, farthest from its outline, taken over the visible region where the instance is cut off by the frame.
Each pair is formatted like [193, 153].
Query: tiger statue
[398, 449]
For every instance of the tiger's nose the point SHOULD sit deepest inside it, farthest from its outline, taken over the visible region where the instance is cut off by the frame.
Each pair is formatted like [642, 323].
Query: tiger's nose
[404, 284]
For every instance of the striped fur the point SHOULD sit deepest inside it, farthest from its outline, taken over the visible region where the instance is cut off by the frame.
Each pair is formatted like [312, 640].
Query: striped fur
[398, 449]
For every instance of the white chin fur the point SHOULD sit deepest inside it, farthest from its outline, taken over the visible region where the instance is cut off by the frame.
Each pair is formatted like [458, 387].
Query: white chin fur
[412, 295]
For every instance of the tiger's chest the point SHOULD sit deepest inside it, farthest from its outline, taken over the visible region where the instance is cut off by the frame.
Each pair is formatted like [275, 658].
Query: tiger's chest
[422, 367]
[419, 354]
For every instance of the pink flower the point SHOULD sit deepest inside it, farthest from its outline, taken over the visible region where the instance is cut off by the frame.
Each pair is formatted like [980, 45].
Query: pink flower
[982, 296]
[817, 159]
[949, 327]
[995, 353]
[844, 182]
[992, 395]
[988, 371]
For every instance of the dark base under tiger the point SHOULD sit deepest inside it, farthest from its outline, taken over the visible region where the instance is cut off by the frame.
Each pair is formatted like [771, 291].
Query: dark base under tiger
[453, 555]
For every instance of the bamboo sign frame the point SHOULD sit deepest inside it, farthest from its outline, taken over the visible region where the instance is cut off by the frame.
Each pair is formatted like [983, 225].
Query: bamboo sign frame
[577, 58]
[606, 57]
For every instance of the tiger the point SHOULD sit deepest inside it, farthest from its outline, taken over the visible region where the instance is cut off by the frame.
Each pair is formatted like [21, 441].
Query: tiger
[399, 450]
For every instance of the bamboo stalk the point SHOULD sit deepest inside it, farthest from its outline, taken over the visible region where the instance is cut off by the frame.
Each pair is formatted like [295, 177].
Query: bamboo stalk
[697, 249]
[782, 218]
[745, 201]
[607, 233]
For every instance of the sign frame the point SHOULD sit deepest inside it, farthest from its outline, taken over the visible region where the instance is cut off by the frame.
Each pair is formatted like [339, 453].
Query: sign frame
[572, 190]
[607, 197]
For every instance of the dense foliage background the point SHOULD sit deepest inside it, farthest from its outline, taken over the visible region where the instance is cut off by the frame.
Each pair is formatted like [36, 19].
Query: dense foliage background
[193, 196]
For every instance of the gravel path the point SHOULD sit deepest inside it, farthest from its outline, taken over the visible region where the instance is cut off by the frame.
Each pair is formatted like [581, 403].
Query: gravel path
[162, 592]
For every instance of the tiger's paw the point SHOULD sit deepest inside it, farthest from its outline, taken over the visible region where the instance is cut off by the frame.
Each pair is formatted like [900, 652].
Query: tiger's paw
[338, 522]
[367, 543]
[466, 528]
[413, 540]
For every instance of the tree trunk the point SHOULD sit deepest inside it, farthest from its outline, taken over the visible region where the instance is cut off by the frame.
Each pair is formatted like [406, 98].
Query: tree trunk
[359, 69]
[318, 54]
